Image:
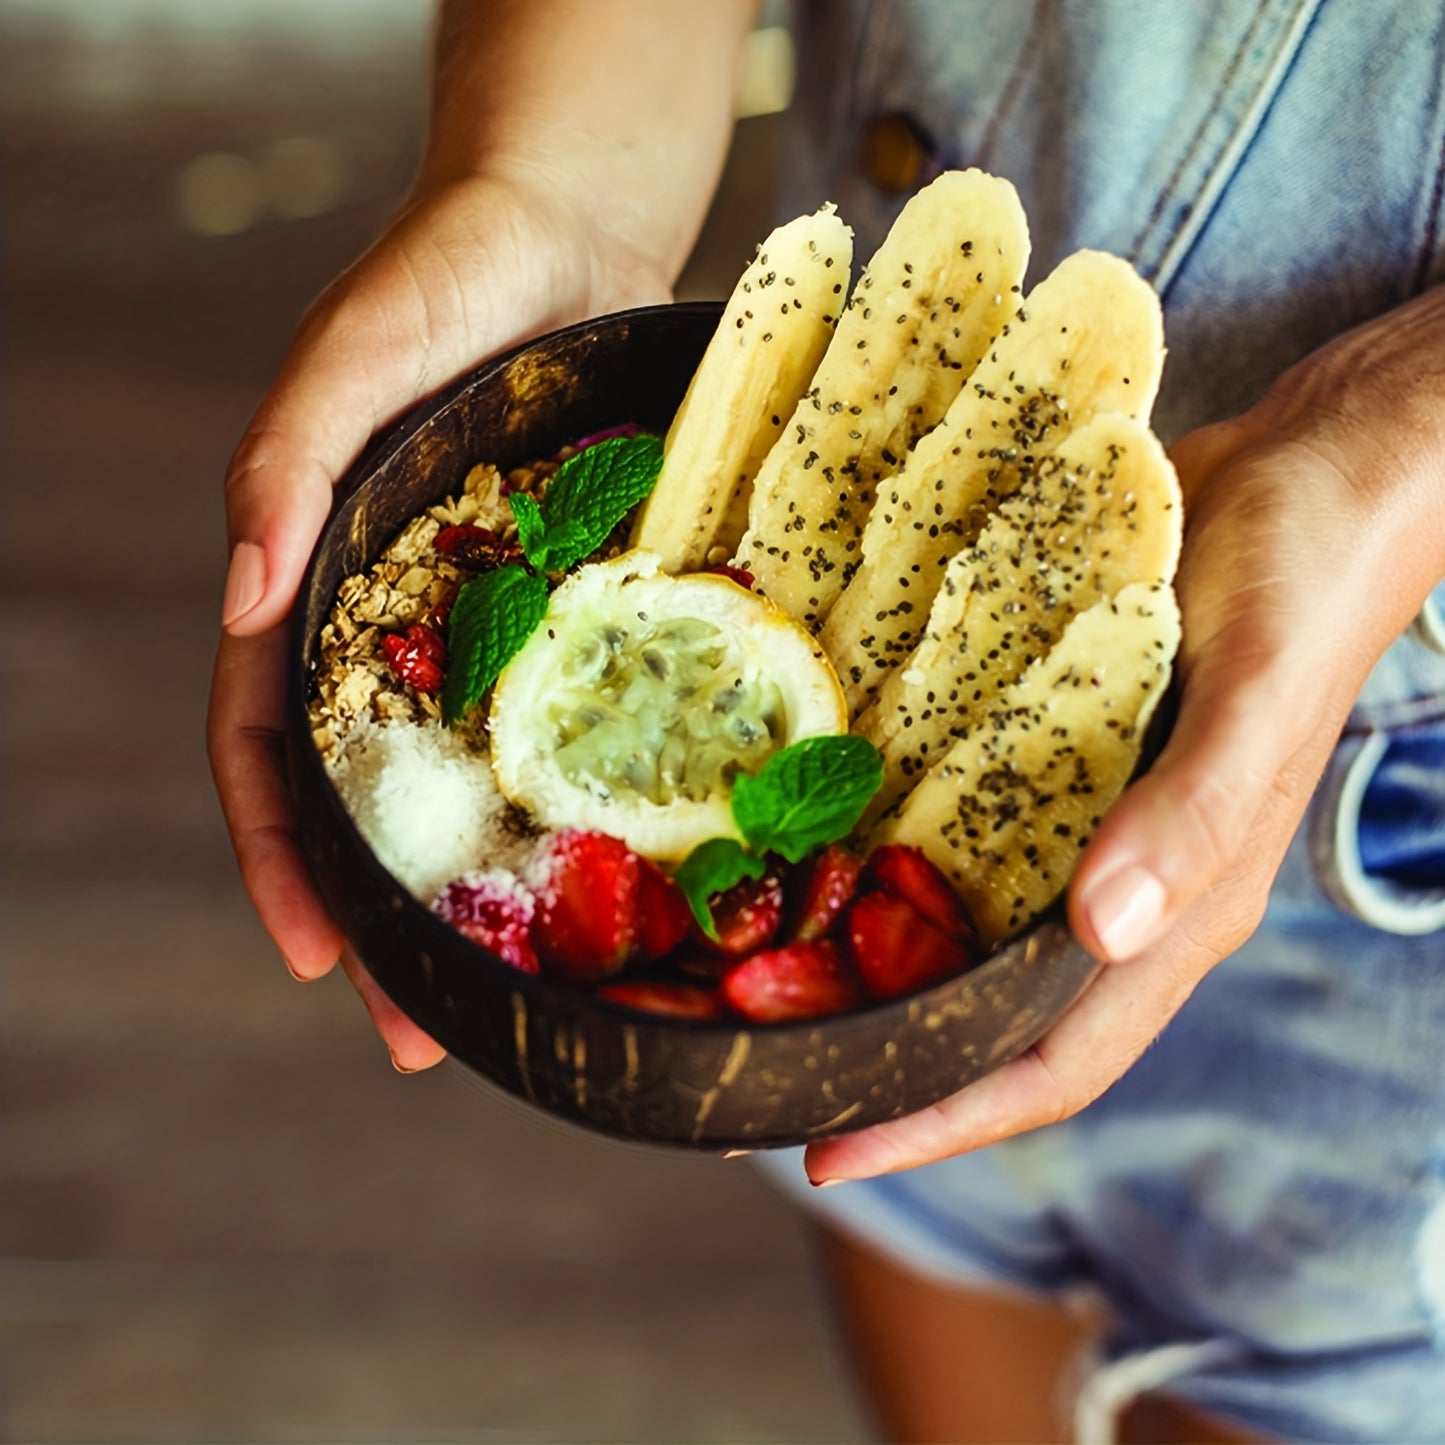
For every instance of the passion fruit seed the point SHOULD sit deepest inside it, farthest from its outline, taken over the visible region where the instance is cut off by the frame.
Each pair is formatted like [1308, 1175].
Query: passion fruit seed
[653, 710]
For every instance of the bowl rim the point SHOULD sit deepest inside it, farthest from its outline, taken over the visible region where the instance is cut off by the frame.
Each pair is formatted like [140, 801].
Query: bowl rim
[539, 988]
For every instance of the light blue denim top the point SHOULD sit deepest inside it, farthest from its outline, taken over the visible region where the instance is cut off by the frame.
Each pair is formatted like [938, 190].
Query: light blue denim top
[1276, 168]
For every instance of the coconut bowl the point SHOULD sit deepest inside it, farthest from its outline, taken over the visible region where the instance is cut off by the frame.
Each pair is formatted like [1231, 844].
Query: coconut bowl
[703, 1085]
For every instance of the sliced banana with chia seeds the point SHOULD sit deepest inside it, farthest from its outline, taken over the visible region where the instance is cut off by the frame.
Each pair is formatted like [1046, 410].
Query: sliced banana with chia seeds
[766, 348]
[1088, 340]
[1102, 512]
[941, 286]
[1007, 811]
[641, 697]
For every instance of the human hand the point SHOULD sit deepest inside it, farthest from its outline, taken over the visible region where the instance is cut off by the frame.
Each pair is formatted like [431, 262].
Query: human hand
[1315, 528]
[466, 270]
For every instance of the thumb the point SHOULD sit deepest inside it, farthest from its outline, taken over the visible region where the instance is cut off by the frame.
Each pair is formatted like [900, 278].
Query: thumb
[279, 484]
[1217, 807]
[440, 292]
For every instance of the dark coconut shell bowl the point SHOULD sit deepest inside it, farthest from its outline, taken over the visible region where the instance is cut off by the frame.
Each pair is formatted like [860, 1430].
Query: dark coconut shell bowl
[706, 1085]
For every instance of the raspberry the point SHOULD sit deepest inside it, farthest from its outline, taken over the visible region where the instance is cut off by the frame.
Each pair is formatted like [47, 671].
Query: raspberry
[494, 910]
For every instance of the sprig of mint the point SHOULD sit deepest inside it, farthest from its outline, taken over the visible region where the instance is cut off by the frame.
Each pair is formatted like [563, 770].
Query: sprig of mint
[713, 867]
[803, 797]
[491, 620]
[807, 795]
[495, 614]
[587, 497]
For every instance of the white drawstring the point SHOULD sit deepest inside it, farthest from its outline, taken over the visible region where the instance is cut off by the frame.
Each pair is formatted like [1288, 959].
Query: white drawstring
[1107, 1389]
[1335, 848]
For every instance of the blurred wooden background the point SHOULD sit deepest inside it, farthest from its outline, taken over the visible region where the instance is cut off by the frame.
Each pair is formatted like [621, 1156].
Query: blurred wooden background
[224, 1216]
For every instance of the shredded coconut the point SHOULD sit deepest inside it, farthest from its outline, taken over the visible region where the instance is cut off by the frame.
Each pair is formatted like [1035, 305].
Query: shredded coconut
[426, 803]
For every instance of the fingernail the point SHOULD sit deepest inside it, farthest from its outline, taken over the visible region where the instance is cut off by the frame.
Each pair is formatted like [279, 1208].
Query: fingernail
[1124, 909]
[399, 1068]
[245, 582]
[824, 1183]
[290, 968]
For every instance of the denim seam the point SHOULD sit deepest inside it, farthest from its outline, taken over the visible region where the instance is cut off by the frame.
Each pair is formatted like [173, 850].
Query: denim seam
[1230, 126]
[1013, 86]
[1243, 133]
[1431, 240]
[864, 60]
[1171, 186]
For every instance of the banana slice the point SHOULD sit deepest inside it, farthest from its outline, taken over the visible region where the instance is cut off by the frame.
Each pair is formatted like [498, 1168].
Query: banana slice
[641, 697]
[1089, 339]
[1100, 513]
[1007, 811]
[942, 284]
[765, 351]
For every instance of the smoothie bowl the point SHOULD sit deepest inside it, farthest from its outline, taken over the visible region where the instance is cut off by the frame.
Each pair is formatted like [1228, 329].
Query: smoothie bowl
[696, 715]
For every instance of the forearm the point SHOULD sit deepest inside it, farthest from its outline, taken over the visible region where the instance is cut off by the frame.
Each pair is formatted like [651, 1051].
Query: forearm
[621, 107]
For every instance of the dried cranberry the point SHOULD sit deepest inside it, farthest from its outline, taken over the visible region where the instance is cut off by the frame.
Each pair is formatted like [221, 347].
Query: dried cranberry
[475, 547]
[417, 656]
[740, 575]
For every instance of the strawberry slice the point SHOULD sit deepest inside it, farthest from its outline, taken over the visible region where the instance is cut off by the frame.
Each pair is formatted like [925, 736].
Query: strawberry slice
[675, 1000]
[746, 917]
[663, 917]
[586, 920]
[492, 909]
[907, 874]
[829, 890]
[896, 949]
[799, 981]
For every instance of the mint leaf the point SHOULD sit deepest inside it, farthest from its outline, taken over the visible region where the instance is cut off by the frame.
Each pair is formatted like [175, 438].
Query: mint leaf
[713, 867]
[588, 496]
[531, 529]
[492, 618]
[807, 795]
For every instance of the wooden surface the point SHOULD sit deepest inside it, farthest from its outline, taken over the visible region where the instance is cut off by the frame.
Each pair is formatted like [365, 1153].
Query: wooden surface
[224, 1216]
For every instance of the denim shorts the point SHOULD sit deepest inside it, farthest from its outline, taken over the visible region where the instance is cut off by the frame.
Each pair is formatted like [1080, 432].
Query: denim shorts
[1260, 1201]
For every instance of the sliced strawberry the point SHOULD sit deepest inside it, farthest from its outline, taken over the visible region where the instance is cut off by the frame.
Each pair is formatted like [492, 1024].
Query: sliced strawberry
[676, 1000]
[494, 910]
[417, 656]
[907, 874]
[746, 917]
[586, 920]
[830, 887]
[800, 981]
[896, 949]
[706, 967]
[663, 917]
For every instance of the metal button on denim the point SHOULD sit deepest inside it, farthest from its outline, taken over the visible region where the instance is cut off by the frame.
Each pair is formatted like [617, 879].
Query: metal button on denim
[896, 155]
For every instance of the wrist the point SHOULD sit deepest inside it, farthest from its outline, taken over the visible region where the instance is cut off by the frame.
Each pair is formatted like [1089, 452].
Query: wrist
[1369, 410]
[617, 114]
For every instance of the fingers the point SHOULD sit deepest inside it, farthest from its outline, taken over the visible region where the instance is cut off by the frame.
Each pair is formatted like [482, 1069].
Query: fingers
[1119, 1016]
[411, 1049]
[247, 750]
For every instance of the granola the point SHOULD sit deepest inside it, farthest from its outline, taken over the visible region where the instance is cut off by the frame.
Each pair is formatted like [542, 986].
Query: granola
[409, 583]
